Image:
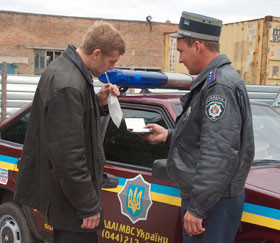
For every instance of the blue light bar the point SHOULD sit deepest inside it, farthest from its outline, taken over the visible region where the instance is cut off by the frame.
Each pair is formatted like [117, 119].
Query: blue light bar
[147, 79]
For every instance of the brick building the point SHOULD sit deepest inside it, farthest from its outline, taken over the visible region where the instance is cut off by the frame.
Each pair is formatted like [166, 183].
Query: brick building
[28, 42]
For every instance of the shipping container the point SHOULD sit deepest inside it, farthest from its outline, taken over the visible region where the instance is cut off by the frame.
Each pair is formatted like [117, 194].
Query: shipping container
[171, 56]
[254, 48]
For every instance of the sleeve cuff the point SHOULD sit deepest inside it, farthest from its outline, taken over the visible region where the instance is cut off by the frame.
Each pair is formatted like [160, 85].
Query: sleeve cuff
[196, 211]
[167, 142]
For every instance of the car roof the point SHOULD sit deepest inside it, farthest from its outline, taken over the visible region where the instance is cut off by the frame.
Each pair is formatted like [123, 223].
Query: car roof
[163, 99]
[151, 98]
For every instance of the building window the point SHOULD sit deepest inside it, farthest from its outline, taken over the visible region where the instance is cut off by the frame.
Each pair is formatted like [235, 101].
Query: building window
[275, 71]
[42, 58]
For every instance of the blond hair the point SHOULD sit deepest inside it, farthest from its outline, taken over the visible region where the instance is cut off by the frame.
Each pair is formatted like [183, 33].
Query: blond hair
[103, 36]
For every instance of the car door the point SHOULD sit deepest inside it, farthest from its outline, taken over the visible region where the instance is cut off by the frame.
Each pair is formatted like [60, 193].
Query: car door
[11, 144]
[141, 208]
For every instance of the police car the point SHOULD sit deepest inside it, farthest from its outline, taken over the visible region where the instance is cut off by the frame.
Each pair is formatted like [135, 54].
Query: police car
[141, 203]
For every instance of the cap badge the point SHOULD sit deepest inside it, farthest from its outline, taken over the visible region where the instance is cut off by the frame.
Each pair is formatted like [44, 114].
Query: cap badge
[186, 22]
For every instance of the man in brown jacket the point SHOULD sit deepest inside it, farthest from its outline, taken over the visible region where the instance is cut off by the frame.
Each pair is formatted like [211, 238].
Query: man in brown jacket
[61, 168]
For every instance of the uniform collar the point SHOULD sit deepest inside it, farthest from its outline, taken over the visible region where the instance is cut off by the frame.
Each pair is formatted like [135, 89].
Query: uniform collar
[216, 63]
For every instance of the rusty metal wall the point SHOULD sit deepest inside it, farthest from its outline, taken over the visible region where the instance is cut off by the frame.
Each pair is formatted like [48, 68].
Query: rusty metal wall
[254, 48]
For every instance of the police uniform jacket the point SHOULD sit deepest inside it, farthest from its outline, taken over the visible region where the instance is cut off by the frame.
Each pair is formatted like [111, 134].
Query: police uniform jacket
[212, 145]
[61, 168]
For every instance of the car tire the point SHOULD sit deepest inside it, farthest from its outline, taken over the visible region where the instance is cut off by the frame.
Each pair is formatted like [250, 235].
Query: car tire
[13, 224]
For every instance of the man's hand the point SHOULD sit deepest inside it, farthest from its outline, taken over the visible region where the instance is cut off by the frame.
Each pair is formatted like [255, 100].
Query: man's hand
[104, 92]
[91, 222]
[193, 224]
[159, 133]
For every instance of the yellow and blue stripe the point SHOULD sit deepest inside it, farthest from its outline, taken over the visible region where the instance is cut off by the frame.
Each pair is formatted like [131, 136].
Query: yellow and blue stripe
[159, 193]
[8, 162]
[254, 214]
[261, 215]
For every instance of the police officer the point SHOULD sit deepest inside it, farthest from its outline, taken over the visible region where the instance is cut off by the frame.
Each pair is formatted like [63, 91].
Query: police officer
[212, 145]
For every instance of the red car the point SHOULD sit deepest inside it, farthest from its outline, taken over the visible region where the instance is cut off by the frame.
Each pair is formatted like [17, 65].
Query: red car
[144, 205]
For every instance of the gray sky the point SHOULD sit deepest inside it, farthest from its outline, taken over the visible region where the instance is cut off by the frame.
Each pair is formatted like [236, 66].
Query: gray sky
[161, 10]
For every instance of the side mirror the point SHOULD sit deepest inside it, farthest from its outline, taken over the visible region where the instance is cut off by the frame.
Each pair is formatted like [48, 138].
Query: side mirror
[109, 181]
[159, 170]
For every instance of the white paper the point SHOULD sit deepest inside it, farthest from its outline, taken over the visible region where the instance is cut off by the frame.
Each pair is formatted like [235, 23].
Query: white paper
[136, 125]
[115, 109]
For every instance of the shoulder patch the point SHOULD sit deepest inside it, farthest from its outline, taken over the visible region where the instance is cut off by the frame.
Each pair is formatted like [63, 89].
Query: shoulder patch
[211, 77]
[215, 107]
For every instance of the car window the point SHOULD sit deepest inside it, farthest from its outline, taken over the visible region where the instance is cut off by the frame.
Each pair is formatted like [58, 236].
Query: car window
[266, 123]
[124, 147]
[177, 107]
[15, 132]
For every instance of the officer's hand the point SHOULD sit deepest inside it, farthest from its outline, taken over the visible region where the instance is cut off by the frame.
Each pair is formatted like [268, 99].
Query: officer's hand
[159, 133]
[193, 224]
[91, 222]
[104, 92]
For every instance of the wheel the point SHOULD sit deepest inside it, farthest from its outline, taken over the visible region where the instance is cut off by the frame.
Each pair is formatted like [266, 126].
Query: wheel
[13, 225]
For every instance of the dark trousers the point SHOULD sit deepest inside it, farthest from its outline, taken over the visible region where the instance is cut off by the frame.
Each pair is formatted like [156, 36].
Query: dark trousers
[222, 223]
[61, 236]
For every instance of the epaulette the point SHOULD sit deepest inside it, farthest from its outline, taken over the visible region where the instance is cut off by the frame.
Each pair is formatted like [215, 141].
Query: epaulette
[211, 79]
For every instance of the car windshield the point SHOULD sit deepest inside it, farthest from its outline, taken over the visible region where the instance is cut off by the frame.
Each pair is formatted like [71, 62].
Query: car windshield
[266, 123]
